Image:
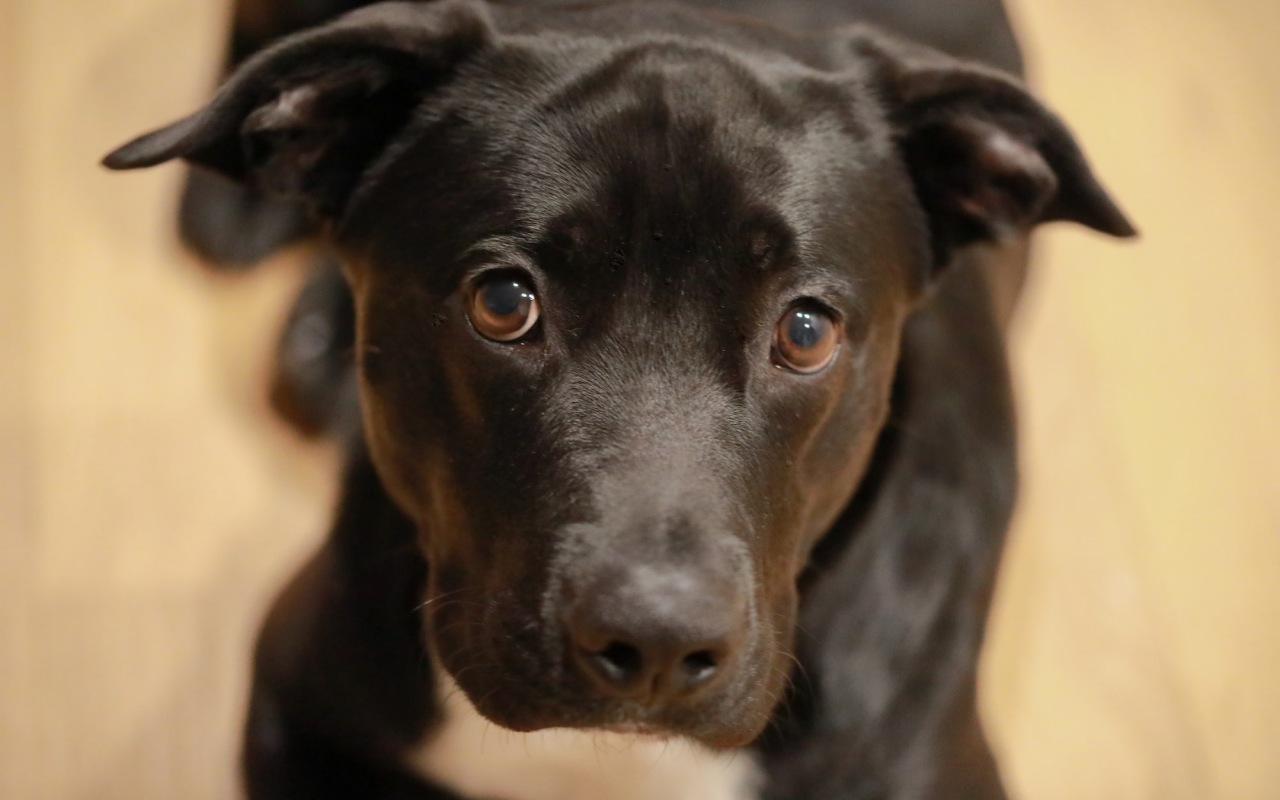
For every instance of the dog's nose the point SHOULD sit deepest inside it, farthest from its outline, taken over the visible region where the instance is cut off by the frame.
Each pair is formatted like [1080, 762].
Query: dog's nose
[655, 634]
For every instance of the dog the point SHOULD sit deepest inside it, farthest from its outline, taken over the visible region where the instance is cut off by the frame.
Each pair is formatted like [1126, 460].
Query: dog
[684, 446]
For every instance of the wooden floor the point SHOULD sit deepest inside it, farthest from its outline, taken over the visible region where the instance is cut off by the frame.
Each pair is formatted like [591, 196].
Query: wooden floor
[148, 507]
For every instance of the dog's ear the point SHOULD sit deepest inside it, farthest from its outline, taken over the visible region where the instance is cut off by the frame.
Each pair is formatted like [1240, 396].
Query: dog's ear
[305, 117]
[987, 159]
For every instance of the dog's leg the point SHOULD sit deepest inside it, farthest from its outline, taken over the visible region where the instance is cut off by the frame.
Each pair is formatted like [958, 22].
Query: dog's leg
[284, 761]
[313, 379]
[893, 615]
[342, 684]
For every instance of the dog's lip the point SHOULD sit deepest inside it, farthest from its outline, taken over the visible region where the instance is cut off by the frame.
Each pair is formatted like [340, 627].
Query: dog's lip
[642, 731]
[641, 723]
[630, 721]
[637, 729]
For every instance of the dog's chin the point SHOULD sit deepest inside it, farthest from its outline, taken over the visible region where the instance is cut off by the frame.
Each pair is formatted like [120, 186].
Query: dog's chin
[531, 713]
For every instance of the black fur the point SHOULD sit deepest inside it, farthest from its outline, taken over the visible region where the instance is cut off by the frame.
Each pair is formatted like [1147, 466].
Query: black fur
[670, 181]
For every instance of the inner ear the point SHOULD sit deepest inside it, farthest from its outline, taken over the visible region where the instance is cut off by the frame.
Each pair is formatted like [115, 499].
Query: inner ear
[313, 139]
[977, 181]
[988, 161]
[306, 117]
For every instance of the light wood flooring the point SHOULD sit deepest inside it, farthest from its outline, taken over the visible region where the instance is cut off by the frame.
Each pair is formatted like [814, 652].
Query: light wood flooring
[149, 507]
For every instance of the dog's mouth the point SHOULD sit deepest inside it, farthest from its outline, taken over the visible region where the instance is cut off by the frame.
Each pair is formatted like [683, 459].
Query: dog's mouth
[514, 684]
[708, 725]
[595, 761]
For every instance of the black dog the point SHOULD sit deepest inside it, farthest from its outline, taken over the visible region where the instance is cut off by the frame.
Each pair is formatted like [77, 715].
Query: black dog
[685, 407]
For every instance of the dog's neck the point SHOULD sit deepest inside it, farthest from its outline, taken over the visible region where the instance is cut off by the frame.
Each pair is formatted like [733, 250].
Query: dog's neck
[470, 755]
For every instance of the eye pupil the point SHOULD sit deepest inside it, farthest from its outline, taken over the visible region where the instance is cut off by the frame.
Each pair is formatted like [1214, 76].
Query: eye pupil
[504, 308]
[805, 339]
[504, 298]
[806, 329]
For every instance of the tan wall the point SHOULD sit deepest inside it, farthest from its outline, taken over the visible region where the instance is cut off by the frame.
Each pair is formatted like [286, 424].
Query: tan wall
[147, 509]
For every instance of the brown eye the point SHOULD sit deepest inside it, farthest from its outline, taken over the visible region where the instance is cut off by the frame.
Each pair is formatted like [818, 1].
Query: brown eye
[805, 339]
[504, 308]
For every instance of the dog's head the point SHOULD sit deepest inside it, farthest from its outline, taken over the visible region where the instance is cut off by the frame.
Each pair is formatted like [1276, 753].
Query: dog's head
[630, 285]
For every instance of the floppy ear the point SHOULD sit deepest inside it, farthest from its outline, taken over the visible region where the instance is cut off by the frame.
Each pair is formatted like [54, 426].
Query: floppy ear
[987, 159]
[307, 116]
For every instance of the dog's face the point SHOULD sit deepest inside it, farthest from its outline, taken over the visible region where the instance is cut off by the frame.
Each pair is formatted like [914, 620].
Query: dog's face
[626, 369]
[628, 312]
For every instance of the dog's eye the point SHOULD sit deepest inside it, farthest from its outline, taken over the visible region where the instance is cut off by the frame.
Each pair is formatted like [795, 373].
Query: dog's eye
[805, 339]
[504, 308]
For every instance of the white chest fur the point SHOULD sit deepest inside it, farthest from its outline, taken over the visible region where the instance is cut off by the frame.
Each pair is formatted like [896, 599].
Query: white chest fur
[470, 755]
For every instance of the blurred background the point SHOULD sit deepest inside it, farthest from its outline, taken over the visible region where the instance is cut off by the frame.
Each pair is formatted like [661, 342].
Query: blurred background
[149, 506]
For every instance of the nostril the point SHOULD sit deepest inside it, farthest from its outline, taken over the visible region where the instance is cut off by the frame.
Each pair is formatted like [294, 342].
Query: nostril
[650, 637]
[620, 661]
[699, 666]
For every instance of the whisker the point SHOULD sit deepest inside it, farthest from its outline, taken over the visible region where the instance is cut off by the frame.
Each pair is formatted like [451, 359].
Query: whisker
[438, 597]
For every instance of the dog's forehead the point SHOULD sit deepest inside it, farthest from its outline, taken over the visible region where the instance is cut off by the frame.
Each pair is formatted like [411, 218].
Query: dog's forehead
[686, 130]
[681, 148]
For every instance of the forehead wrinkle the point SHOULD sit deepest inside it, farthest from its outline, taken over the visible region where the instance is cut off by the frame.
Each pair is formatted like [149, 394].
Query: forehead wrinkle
[549, 178]
[561, 146]
[846, 195]
[570, 124]
[664, 58]
[673, 176]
